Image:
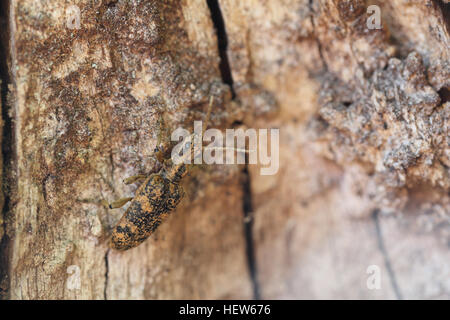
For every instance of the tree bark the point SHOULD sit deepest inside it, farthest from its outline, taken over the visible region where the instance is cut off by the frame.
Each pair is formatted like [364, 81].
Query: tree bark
[364, 153]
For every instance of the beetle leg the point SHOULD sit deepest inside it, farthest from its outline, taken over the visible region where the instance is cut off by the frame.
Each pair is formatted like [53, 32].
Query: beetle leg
[118, 203]
[135, 178]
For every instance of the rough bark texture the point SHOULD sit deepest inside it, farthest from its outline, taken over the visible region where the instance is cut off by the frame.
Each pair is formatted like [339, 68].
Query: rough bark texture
[364, 148]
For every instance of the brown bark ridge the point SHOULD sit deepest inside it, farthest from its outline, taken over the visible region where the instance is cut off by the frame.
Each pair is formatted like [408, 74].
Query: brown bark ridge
[364, 148]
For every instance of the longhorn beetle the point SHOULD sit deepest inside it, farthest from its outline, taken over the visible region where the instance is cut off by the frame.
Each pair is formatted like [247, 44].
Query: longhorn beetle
[154, 200]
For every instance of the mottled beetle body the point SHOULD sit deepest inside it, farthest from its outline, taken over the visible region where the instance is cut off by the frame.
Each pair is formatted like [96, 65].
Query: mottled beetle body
[158, 195]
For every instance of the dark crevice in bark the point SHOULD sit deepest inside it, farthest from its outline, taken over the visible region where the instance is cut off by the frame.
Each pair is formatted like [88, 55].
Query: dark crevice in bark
[444, 94]
[445, 9]
[222, 38]
[387, 260]
[227, 78]
[248, 231]
[105, 293]
[7, 147]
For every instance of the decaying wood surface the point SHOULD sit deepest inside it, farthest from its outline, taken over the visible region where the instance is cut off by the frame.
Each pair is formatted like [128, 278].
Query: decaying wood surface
[364, 148]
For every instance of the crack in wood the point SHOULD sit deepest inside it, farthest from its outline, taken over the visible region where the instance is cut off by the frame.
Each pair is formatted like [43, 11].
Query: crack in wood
[247, 203]
[7, 148]
[387, 260]
[105, 292]
[227, 78]
[222, 39]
